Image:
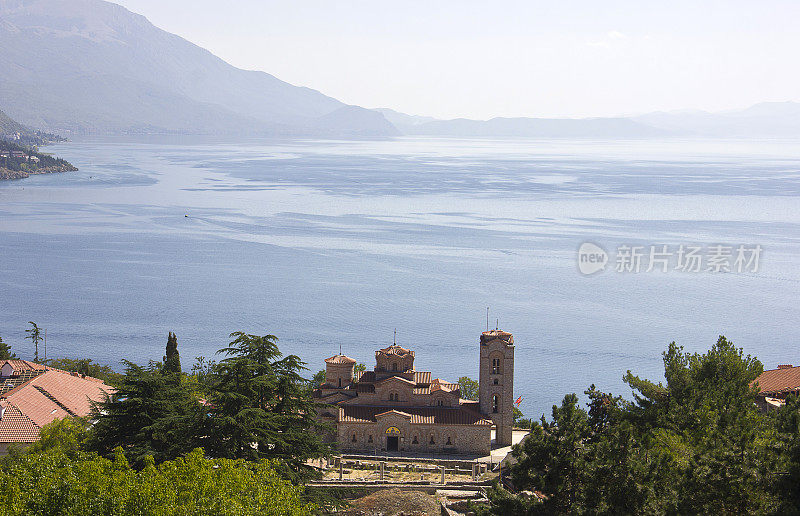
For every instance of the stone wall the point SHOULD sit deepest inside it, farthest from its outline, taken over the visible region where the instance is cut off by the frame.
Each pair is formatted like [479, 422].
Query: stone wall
[462, 439]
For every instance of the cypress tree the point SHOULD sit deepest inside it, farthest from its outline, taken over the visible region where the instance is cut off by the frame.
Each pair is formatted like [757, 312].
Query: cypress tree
[172, 360]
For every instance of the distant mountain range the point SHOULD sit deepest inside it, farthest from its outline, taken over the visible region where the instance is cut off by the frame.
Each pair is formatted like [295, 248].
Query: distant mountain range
[93, 66]
[765, 120]
[90, 66]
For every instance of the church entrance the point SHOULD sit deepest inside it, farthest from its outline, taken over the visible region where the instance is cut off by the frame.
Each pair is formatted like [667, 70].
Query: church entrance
[391, 443]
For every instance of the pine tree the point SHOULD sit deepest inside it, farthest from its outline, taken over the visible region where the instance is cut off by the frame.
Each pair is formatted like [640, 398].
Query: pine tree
[149, 414]
[261, 406]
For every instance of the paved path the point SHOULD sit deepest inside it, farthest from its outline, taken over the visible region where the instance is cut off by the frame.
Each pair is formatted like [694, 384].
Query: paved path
[499, 454]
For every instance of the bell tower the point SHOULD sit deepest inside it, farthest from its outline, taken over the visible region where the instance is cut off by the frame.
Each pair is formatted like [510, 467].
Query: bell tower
[496, 386]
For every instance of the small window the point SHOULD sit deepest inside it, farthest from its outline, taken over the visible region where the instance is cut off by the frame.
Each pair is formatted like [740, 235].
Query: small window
[496, 381]
[340, 383]
[432, 441]
[495, 366]
[394, 366]
[495, 403]
[354, 438]
[439, 403]
[370, 439]
[415, 441]
[449, 443]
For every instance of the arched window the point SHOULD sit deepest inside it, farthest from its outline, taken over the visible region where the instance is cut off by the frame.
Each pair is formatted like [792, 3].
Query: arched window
[394, 366]
[496, 381]
[370, 439]
[354, 438]
[393, 396]
[439, 403]
[432, 441]
[495, 403]
[340, 383]
[449, 442]
[495, 366]
[415, 441]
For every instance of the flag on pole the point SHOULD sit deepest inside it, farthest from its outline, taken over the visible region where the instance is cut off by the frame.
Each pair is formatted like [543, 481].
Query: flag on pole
[518, 401]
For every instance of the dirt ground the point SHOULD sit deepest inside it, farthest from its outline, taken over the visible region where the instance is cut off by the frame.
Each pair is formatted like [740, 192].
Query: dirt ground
[394, 502]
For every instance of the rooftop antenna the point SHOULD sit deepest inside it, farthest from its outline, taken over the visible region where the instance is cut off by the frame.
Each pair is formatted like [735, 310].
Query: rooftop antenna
[487, 318]
[340, 349]
[498, 325]
[394, 340]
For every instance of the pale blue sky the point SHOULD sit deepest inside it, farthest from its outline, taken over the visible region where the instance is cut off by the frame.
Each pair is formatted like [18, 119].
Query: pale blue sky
[515, 58]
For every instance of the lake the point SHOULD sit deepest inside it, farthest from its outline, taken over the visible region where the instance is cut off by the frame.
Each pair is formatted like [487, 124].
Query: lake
[331, 244]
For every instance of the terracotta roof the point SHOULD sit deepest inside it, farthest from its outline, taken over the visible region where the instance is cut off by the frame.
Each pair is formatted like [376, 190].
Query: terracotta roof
[15, 427]
[422, 377]
[340, 359]
[23, 365]
[51, 395]
[781, 380]
[489, 336]
[418, 415]
[394, 349]
[396, 378]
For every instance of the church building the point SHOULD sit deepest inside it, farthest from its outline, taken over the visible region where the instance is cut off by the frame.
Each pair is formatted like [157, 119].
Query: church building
[396, 408]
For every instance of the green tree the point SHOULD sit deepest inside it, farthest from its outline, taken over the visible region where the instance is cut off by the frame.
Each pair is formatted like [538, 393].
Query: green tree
[318, 378]
[172, 359]
[52, 482]
[202, 370]
[5, 351]
[149, 414]
[35, 334]
[359, 367]
[694, 445]
[469, 388]
[260, 405]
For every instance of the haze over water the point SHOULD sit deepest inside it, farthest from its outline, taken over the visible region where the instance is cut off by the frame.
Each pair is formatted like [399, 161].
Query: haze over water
[329, 243]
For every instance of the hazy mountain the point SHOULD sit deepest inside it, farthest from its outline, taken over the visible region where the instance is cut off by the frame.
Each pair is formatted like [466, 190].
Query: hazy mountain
[768, 119]
[765, 120]
[401, 120]
[537, 127]
[90, 65]
[9, 126]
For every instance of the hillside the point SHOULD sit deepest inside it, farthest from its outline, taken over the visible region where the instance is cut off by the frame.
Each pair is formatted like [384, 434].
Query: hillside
[8, 126]
[94, 67]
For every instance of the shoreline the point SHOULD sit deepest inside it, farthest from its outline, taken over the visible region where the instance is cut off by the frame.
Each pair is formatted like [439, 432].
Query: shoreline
[9, 175]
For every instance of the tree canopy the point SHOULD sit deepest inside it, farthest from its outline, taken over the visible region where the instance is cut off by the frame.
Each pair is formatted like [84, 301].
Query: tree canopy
[54, 477]
[696, 444]
[260, 406]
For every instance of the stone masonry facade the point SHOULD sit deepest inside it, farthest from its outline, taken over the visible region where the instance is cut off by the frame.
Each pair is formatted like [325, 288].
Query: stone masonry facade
[395, 408]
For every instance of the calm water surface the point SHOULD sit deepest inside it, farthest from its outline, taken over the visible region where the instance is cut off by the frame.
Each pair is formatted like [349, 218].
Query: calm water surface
[329, 243]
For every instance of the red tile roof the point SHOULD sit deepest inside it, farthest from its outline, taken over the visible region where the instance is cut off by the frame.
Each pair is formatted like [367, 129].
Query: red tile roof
[394, 349]
[23, 365]
[418, 415]
[51, 395]
[340, 359]
[15, 427]
[489, 336]
[423, 377]
[781, 380]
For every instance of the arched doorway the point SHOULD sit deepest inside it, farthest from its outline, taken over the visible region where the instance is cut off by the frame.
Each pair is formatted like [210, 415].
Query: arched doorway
[392, 438]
